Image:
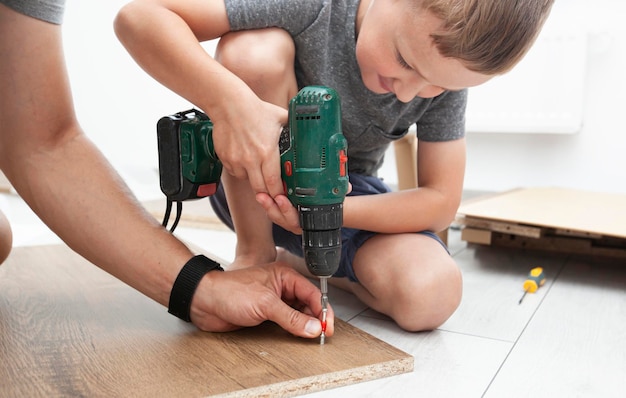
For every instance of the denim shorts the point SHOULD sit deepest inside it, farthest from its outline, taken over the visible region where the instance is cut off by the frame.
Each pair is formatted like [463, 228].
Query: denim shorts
[352, 239]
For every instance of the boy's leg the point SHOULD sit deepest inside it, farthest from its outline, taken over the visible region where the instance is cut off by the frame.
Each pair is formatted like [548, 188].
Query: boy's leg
[264, 60]
[410, 277]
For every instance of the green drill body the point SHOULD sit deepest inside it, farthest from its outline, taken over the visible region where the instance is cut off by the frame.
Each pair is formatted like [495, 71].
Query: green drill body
[314, 169]
[313, 154]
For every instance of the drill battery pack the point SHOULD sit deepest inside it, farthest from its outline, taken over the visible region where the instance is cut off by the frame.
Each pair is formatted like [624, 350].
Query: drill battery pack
[188, 165]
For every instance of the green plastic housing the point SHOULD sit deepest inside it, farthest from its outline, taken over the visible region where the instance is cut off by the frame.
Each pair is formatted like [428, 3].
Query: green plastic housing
[314, 150]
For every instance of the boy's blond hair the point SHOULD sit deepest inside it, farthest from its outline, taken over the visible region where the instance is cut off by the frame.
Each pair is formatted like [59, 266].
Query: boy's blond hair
[487, 36]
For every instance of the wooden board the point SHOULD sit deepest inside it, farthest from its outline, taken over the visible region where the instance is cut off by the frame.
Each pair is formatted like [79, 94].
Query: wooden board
[5, 185]
[195, 214]
[405, 151]
[550, 219]
[559, 208]
[497, 226]
[68, 328]
[606, 247]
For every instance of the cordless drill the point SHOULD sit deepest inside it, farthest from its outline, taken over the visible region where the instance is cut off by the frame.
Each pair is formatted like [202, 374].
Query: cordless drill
[313, 154]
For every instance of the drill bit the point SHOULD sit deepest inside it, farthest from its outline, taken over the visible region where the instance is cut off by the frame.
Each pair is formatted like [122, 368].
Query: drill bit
[324, 290]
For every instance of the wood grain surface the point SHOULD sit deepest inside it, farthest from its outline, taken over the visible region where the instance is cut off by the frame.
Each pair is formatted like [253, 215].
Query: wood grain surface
[69, 329]
[561, 208]
[5, 185]
[196, 214]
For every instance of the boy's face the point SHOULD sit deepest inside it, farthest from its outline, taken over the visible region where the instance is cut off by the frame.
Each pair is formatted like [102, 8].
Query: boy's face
[396, 54]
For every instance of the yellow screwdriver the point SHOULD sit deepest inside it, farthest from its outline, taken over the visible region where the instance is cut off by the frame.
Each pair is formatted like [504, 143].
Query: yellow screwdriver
[535, 280]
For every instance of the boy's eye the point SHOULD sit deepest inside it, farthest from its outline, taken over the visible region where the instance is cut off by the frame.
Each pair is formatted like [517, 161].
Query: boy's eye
[402, 62]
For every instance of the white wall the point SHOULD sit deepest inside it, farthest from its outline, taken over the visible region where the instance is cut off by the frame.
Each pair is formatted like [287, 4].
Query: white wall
[118, 105]
[592, 159]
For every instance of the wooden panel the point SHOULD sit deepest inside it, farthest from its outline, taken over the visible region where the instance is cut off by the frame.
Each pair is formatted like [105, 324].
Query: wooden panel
[69, 329]
[479, 236]
[405, 151]
[568, 209]
[509, 228]
[5, 185]
[195, 214]
[614, 248]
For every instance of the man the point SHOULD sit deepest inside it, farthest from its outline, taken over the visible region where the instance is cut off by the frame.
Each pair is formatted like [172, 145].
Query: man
[69, 184]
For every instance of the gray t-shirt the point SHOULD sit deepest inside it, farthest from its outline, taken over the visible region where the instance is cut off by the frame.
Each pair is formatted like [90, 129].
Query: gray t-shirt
[46, 10]
[324, 35]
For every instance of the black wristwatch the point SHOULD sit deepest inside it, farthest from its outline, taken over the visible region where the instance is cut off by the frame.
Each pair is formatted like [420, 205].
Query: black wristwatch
[186, 284]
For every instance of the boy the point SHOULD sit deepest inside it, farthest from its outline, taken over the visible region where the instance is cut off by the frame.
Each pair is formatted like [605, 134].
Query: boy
[394, 63]
[67, 182]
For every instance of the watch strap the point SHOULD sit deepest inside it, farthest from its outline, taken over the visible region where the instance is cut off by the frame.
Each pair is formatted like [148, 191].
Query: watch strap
[186, 284]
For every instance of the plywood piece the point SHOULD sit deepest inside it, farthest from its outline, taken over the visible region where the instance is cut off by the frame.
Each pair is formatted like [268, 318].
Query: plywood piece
[560, 208]
[196, 213]
[405, 151]
[497, 226]
[69, 329]
[5, 185]
[480, 236]
[605, 247]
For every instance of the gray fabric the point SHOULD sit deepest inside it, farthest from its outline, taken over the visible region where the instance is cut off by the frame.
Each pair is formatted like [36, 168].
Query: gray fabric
[324, 35]
[46, 10]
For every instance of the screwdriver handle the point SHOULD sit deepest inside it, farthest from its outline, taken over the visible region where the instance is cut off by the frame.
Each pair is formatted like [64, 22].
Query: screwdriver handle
[535, 280]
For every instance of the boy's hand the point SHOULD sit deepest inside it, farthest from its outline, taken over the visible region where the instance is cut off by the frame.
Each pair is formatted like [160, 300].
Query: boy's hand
[230, 300]
[281, 211]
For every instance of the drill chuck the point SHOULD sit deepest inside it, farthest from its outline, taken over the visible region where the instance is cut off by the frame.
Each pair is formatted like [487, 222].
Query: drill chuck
[321, 237]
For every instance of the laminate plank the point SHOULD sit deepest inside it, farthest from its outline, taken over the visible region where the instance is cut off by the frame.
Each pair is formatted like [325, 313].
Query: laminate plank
[5, 185]
[196, 214]
[69, 329]
[569, 209]
[574, 344]
[508, 228]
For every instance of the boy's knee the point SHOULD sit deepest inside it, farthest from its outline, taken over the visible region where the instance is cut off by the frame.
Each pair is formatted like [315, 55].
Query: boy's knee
[265, 54]
[425, 303]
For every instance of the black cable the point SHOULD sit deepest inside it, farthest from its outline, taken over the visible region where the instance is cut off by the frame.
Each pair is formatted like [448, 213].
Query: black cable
[166, 216]
[179, 211]
[168, 211]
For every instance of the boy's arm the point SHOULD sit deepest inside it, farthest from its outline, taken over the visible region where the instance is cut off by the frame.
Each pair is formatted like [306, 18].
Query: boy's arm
[164, 37]
[432, 206]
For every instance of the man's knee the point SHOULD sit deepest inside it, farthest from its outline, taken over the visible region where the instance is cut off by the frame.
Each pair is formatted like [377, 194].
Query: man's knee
[253, 55]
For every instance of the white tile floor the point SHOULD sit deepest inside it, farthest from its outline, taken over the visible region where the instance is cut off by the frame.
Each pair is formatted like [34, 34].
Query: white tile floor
[567, 340]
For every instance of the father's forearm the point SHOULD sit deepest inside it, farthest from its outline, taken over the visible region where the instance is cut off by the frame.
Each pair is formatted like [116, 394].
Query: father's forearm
[72, 188]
